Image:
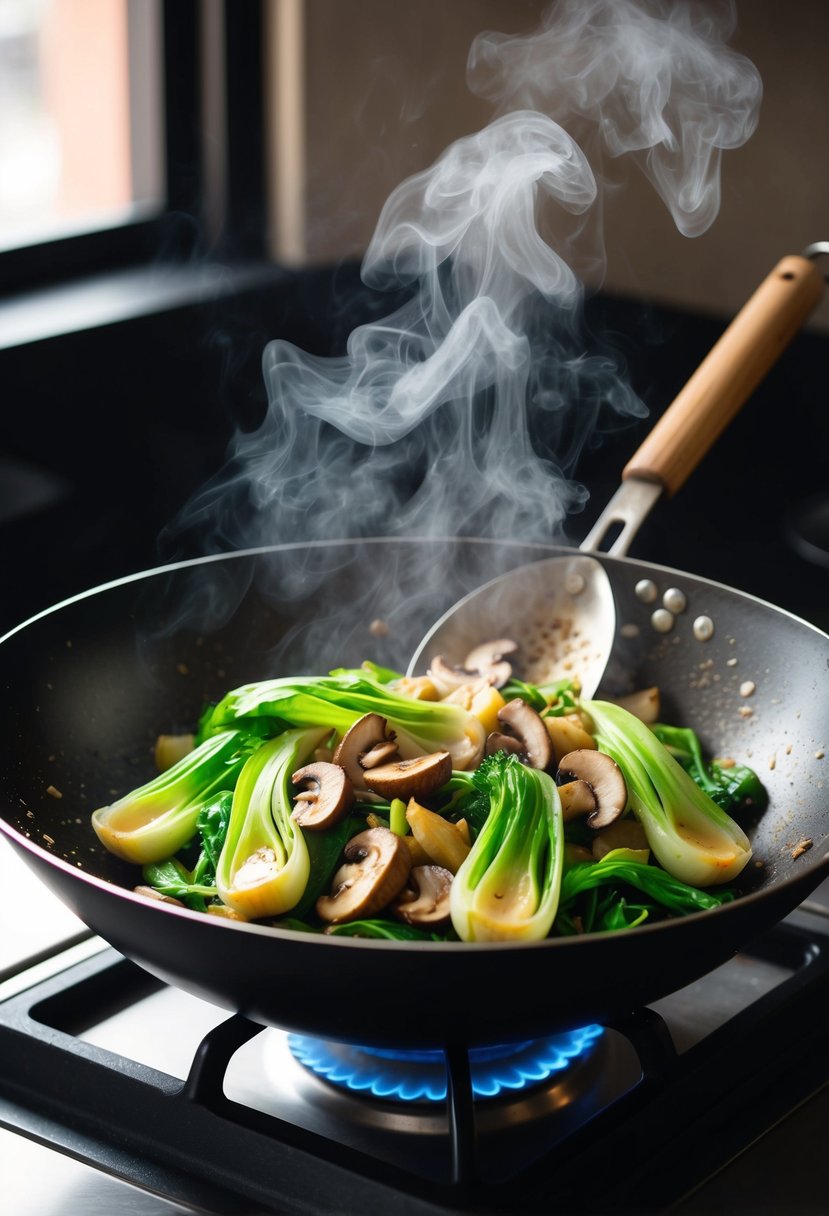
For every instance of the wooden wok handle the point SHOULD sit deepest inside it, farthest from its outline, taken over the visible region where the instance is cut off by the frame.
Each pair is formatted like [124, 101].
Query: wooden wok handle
[728, 375]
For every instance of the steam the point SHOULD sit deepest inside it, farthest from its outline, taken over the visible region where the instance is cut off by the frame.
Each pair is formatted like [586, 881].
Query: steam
[656, 81]
[465, 411]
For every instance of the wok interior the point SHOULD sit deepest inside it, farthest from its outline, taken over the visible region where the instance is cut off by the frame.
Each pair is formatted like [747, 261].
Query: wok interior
[90, 685]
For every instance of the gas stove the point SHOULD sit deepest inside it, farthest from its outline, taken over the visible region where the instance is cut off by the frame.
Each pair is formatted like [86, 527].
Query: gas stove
[120, 1094]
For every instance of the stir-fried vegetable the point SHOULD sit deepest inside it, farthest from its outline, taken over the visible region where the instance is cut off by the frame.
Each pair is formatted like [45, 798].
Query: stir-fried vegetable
[508, 887]
[691, 837]
[154, 821]
[264, 866]
[731, 786]
[340, 699]
[626, 868]
[195, 887]
[360, 804]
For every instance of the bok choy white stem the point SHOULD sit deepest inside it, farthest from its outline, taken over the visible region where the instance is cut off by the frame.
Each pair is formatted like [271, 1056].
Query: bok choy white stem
[264, 864]
[508, 887]
[154, 821]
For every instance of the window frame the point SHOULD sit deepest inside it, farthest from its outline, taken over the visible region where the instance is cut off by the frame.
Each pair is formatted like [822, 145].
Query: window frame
[179, 229]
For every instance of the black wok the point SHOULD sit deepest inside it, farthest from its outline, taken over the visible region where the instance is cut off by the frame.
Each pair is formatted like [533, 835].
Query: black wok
[89, 684]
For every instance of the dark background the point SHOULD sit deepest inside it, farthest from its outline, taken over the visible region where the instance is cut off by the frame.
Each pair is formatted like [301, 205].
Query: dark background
[108, 431]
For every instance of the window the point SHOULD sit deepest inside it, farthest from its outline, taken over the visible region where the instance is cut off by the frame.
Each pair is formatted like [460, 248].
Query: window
[80, 116]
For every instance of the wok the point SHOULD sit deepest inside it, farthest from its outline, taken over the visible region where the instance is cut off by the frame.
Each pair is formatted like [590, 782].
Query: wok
[90, 683]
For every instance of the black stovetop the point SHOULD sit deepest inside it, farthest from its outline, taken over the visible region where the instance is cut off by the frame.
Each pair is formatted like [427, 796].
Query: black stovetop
[712, 1100]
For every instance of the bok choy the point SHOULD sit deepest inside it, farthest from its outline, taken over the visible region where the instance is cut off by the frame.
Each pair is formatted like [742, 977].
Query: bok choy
[689, 834]
[343, 697]
[154, 821]
[508, 887]
[264, 865]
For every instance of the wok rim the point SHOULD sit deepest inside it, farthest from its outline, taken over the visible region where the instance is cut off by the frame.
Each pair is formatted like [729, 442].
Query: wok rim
[810, 877]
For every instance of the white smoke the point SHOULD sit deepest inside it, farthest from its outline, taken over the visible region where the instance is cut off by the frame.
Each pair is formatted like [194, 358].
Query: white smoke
[655, 81]
[465, 411]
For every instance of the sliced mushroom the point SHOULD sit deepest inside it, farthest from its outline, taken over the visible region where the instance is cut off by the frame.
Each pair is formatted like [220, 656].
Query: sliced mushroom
[496, 742]
[527, 726]
[377, 866]
[445, 677]
[159, 896]
[379, 754]
[484, 662]
[425, 898]
[577, 800]
[326, 797]
[406, 778]
[489, 661]
[603, 775]
[369, 732]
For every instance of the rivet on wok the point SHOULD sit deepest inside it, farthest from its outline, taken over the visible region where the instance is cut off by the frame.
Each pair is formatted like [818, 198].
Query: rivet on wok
[662, 620]
[574, 583]
[703, 628]
[675, 600]
[646, 590]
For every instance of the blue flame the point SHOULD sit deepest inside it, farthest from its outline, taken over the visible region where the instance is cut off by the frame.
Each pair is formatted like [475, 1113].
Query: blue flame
[420, 1076]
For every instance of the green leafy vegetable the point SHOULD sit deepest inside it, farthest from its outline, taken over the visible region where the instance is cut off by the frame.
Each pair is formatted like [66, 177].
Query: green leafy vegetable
[691, 837]
[626, 866]
[387, 929]
[324, 853]
[730, 787]
[556, 698]
[264, 865]
[172, 879]
[197, 886]
[507, 888]
[339, 699]
[212, 825]
[154, 821]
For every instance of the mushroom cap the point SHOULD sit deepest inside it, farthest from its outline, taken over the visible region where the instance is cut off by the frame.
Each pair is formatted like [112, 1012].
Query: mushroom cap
[603, 775]
[377, 865]
[366, 733]
[489, 661]
[486, 662]
[407, 778]
[326, 797]
[425, 898]
[445, 677]
[496, 742]
[528, 727]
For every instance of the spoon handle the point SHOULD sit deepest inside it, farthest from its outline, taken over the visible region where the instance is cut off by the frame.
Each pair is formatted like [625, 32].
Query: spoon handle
[728, 375]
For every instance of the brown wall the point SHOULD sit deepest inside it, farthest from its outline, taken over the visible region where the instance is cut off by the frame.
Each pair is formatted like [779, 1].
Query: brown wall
[383, 91]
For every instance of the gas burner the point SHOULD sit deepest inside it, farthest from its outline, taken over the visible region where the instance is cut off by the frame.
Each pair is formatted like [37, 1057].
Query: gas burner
[407, 1076]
